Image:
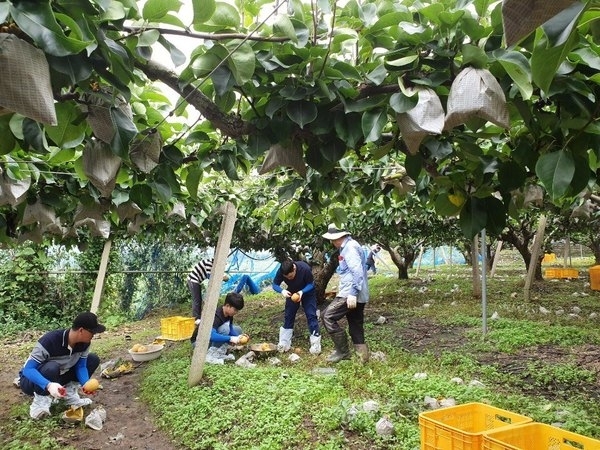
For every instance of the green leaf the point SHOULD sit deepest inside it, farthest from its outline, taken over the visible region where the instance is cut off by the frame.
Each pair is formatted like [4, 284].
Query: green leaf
[225, 16]
[61, 156]
[518, 69]
[242, 61]
[545, 59]
[228, 164]
[474, 56]
[373, 122]
[555, 170]
[559, 28]
[125, 132]
[37, 20]
[402, 103]
[141, 195]
[192, 181]
[203, 10]
[177, 56]
[7, 142]
[4, 8]
[154, 10]
[473, 217]
[283, 27]
[68, 133]
[76, 67]
[302, 112]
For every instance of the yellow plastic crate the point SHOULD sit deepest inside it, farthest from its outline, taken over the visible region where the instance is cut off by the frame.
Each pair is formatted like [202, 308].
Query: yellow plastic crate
[537, 436]
[176, 328]
[594, 278]
[549, 258]
[462, 427]
[562, 273]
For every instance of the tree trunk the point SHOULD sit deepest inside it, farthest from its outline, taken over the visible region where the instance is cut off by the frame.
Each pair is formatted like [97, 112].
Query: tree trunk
[521, 243]
[323, 273]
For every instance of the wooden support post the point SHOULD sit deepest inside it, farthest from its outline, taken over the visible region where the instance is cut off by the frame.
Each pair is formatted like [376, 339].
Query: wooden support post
[496, 258]
[101, 277]
[419, 261]
[475, 267]
[213, 293]
[535, 253]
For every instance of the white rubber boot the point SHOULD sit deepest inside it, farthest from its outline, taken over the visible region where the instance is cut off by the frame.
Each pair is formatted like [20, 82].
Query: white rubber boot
[40, 406]
[72, 397]
[285, 339]
[315, 344]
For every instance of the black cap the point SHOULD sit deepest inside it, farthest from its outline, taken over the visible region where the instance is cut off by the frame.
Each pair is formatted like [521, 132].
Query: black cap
[88, 321]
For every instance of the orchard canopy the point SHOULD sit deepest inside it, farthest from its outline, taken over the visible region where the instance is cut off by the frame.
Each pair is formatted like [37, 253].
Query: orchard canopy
[464, 105]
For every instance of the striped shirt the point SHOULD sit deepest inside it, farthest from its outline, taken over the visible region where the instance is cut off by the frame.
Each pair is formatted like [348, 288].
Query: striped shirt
[201, 271]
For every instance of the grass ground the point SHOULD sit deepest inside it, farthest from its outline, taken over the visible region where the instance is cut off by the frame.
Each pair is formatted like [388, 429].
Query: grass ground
[538, 358]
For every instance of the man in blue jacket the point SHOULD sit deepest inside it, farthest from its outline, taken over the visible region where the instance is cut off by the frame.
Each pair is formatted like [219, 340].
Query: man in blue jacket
[59, 363]
[351, 298]
[300, 289]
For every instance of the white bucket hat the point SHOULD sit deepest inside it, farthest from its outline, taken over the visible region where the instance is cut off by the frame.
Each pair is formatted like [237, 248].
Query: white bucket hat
[334, 232]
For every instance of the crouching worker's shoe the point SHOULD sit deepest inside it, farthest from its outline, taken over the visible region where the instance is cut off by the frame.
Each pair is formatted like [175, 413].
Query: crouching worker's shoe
[72, 397]
[40, 406]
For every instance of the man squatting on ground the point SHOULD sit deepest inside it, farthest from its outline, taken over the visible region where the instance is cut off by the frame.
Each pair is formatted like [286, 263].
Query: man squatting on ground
[351, 298]
[299, 279]
[59, 363]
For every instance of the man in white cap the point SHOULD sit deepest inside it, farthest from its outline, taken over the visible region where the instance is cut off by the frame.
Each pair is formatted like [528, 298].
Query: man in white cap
[351, 298]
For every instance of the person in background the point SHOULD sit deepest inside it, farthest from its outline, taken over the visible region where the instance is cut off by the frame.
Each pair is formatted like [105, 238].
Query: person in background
[199, 273]
[300, 289]
[59, 363]
[351, 297]
[371, 258]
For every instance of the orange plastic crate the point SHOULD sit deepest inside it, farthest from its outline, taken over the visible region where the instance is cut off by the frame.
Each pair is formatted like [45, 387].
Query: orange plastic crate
[177, 328]
[537, 436]
[462, 427]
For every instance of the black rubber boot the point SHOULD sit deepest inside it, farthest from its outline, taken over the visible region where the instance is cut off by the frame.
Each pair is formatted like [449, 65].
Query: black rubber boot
[340, 341]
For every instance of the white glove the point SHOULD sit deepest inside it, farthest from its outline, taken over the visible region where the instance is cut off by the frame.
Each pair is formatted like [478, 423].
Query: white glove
[286, 293]
[56, 390]
[234, 339]
[197, 322]
[351, 301]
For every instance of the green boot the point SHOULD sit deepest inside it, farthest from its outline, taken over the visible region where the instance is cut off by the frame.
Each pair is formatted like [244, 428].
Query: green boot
[340, 341]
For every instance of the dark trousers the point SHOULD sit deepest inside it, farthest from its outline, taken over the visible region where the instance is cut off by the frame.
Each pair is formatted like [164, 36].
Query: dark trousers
[51, 371]
[196, 291]
[310, 310]
[336, 310]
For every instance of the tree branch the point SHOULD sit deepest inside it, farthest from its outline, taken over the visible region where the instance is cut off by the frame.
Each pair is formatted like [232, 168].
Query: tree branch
[207, 36]
[229, 124]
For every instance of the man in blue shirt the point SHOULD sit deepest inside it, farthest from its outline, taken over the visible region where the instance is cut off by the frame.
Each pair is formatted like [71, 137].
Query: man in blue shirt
[351, 298]
[59, 363]
[298, 277]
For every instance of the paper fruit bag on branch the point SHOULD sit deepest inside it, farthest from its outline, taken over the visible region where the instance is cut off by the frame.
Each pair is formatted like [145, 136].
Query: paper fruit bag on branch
[25, 86]
[519, 18]
[427, 117]
[476, 93]
[101, 166]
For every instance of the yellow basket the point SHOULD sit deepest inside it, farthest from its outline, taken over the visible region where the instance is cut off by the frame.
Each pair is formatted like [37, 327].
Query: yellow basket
[462, 427]
[561, 273]
[177, 328]
[537, 436]
[594, 278]
[549, 258]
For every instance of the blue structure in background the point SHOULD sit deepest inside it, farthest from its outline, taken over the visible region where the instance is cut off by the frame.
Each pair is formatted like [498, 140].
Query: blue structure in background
[252, 271]
[443, 255]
